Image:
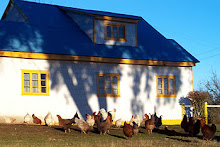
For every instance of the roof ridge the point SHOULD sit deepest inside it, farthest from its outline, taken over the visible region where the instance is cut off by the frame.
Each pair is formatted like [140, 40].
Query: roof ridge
[88, 11]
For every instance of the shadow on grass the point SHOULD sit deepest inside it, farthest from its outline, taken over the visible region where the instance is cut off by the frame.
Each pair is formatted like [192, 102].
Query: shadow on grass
[141, 132]
[121, 137]
[182, 140]
[217, 138]
[170, 132]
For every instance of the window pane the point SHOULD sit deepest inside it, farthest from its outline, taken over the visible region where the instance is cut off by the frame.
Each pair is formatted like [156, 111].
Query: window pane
[121, 32]
[108, 90]
[171, 83]
[166, 91]
[26, 76]
[35, 83]
[108, 31]
[165, 83]
[26, 89]
[107, 78]
[26, 82]
[101, 91]
[43, 83]
[160, 91]
[114, 79]
[43, 89]
[101, 82]
[115, 91]
[43, 76]
[172, 91]
[115, 85]
[108, 85]
[34, 76]
[35, 89]
[159, 83]
[115, 32]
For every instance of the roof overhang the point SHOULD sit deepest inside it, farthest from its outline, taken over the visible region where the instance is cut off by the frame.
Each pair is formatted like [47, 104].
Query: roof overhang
[28, 55]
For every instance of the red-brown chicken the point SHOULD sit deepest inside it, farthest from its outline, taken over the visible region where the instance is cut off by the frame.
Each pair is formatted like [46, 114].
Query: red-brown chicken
[190, 126]
[98, 116]
[103, 127]
[67, 123]
[146, 118]
[128, 130]
[149, 124]
[36, 120]
[207, 131]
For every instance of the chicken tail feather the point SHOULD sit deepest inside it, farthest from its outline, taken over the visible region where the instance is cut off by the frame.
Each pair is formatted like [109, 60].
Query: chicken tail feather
[213, 127]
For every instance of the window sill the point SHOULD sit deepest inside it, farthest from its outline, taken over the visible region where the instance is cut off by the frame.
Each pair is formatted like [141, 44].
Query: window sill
[122, 39]
[108, 95]
[166, 95]
[36, 94]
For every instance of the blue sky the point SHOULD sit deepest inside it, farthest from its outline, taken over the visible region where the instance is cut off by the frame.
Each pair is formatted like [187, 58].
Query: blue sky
[194, 24]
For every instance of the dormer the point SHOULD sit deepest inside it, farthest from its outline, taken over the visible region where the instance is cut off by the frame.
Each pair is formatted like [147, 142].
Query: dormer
[105, 27]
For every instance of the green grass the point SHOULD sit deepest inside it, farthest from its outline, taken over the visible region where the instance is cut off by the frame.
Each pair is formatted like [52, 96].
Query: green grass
[35, 135]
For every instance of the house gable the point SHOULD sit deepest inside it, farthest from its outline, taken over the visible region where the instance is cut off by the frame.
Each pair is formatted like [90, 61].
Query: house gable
[13, 13]
[60, 34]
[94, 25]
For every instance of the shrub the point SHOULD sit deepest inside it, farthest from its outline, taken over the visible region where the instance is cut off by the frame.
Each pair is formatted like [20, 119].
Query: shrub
[197, 100]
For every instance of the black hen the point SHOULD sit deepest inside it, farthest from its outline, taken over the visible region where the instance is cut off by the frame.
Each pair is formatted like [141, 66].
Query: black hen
[157, 120]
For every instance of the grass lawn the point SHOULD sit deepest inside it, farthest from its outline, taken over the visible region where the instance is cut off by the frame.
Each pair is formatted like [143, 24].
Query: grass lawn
[36, 135]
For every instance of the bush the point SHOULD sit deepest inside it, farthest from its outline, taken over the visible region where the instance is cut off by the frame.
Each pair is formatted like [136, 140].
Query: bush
[197, 100]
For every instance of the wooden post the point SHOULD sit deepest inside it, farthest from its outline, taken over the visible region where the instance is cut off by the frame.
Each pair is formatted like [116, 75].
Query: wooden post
[183, 110]
[206, 113]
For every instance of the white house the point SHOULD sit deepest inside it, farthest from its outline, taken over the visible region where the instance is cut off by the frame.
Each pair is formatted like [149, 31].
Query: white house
[62, 60]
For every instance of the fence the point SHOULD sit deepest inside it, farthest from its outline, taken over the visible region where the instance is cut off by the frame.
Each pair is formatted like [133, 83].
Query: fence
[206, 106]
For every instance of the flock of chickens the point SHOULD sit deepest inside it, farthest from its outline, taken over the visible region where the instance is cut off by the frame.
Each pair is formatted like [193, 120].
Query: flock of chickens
[193, 128]
[103, 121]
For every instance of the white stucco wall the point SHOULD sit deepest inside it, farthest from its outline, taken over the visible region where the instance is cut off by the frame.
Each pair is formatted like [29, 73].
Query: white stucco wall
[73, 88]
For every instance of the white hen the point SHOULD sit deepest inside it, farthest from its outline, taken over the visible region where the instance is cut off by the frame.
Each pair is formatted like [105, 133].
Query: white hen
[48, 119]
[90, 120]
[10, 120]
[135, 119]
[118, 123]
[27, 118]
[104, 114]
[113, 113]
[82, 125]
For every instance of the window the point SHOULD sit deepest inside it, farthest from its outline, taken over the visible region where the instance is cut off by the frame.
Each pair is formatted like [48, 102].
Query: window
[35, 82]
[166, 86]
[108, 85]
[115, 32]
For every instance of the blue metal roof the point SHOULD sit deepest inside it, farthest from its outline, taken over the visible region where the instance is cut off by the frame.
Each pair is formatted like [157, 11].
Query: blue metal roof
[51, 31]
[95, 12]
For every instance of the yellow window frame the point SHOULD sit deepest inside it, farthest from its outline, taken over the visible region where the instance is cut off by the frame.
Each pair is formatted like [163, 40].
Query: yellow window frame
[111, 75]
[115, 25]
[38, 72]
[169, 86]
